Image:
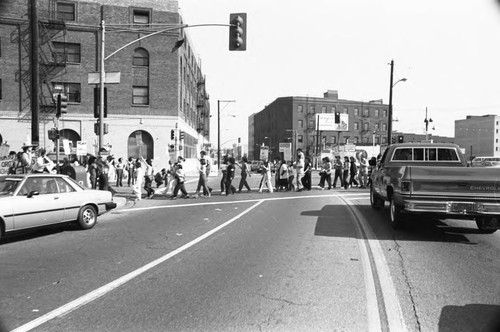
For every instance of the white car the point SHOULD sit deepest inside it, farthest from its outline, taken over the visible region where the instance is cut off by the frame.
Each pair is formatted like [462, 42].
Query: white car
[34, 200]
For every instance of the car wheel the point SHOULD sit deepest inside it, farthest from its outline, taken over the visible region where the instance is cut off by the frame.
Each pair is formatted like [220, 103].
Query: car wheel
[375, 200]
[396, 216]
[487, 225]
[87, 217]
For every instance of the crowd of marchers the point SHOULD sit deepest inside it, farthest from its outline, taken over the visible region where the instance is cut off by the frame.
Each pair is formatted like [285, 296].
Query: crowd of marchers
[278, 175]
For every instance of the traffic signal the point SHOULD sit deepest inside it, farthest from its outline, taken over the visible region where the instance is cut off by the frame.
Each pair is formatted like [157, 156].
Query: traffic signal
[393, 140]
[97, 94]
[239, 140]
[172, 134]
[337, 117]
[237, 32]
[401, 139]
[181, 135]
[105, 128]
[53, 134]
[62, 105]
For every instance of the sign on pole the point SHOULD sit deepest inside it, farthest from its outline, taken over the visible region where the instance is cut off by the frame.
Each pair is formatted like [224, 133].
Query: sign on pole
[264, 152]
[110, 77]
[81, 148]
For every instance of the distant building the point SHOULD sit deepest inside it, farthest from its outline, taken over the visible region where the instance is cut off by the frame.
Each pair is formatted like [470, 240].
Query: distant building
[293, 119]
[160, 89]
[478, 135]
[409, 137]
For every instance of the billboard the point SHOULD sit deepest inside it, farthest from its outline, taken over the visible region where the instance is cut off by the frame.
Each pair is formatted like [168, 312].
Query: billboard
[326, 122]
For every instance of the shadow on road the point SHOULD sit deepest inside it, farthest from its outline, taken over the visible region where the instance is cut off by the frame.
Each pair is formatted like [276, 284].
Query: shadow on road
[470, 317]
[417, 228]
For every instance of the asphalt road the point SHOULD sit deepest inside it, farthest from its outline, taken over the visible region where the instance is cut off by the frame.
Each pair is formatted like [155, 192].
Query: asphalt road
[309, 261]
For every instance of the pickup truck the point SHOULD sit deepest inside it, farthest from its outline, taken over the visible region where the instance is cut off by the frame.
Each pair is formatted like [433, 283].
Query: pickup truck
[433, 179]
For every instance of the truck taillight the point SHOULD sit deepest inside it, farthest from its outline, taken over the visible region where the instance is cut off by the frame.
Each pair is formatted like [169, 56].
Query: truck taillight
[405, 185]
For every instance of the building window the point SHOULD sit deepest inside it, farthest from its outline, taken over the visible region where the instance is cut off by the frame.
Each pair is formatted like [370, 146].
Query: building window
[140, 95]
[334, 140]
[140, 17]
[67, 52]
[345, 110]
[65, 11]
[377, 112]
[333, 109]
[301, 124]
[384, 112]
[323, 109]
[384, 126]
[377, 126]
[72, 90]
[366, 112]
[141, 58]
[384, 140]
[366, 126]
[346, 140]
[300, 139]
[311, 124]
[312, 108]
[356, 126]
[300, 108]
[377, 140]
[356, 112]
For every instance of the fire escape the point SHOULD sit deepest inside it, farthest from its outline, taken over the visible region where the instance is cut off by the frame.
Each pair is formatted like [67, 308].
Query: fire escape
[203, 116]
[51, 65]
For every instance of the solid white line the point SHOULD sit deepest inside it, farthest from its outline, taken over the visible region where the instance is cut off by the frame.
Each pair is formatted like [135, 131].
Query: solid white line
[395, 319]
[89, 297]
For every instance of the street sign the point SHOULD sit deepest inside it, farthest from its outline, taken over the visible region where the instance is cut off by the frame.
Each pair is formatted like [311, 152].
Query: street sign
[264, 152]
[110, 77]
[326, 122]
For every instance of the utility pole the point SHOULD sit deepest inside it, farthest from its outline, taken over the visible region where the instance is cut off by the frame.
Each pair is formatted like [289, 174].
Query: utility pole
[35, 79]
[389, 116]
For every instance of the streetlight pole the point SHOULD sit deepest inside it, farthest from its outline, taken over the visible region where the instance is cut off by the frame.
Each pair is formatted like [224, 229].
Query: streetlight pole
[389, 116]
[218, 128]
[427, 125]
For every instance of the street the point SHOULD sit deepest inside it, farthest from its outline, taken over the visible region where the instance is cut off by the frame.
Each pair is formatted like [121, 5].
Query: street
[287, 261]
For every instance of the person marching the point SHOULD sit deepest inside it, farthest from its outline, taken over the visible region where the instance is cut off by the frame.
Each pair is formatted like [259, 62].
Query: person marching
[306, 180]
[337, 166]
[345, 172]
[202, 180]
[244, 174]
[353, 171]
[181, 177]
[231, 169]
[300, 168]
[148, 176]
[266, 176]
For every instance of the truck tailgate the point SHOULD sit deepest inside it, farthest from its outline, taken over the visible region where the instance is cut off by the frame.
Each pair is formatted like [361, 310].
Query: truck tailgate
[454, 181]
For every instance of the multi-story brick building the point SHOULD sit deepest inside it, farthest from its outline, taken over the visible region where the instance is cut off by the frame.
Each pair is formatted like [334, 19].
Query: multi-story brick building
[293, 119]
[160, 89]
[478, 135]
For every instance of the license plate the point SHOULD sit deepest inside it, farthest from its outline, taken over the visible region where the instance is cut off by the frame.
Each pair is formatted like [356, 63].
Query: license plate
[462, 207]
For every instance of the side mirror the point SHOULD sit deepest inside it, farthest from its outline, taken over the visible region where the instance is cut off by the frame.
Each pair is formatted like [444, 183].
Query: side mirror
[33, 193]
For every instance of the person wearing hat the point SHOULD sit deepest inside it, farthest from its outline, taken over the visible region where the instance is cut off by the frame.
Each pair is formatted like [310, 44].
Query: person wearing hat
[26, 157]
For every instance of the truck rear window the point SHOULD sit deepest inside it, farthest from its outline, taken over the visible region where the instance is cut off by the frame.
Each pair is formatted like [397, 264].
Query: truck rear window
[425, 154]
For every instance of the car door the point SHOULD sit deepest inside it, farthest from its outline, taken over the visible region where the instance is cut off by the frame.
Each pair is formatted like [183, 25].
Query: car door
[71, 199]
[38, 203]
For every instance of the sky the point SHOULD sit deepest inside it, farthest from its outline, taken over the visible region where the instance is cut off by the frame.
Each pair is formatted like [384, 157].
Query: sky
[448, 50]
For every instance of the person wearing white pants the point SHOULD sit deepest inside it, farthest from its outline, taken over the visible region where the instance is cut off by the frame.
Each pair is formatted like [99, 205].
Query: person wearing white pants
[266, 176]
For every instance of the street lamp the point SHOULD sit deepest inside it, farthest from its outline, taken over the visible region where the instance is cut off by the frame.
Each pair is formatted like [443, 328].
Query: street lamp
[269, 145]
[389, 120]
[218, 128]
[427, 125]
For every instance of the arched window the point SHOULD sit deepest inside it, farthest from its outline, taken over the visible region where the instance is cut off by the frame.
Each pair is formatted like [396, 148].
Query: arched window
[140, 143]
[141, 58]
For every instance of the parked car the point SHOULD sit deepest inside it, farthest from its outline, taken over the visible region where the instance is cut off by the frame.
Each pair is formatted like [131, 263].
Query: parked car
[35, 200]
[432, 179]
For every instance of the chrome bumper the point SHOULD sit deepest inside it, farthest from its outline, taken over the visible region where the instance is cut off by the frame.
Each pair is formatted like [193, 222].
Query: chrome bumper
[453, 207]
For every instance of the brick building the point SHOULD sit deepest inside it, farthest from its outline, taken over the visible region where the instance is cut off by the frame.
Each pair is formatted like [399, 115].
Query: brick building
[478, 135]
[293, 119]
[159, 90]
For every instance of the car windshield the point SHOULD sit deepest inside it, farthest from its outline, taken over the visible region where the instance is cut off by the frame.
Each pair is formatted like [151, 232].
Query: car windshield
[8, 186]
